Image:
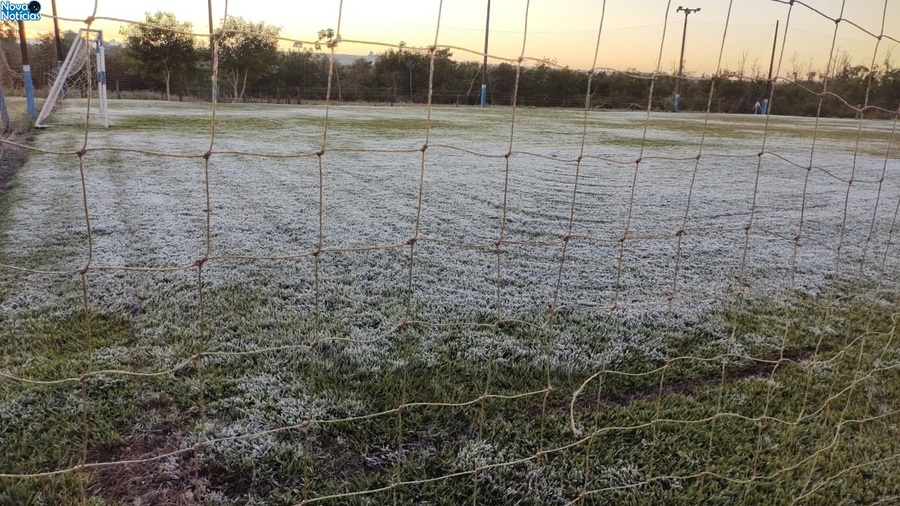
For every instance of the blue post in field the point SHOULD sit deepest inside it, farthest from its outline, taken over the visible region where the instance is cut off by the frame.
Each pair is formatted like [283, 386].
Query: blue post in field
[677, 101]
[26, 71]
[770, 84]
[29, 90]
[487, 26]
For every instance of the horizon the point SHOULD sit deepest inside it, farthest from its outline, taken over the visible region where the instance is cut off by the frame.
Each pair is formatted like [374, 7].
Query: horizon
[645, 38]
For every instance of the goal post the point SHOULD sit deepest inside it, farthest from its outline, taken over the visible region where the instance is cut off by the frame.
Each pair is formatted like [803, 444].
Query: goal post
[75, 73]
[101, 79]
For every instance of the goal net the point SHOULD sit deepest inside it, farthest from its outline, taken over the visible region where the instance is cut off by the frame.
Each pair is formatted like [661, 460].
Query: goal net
[81, 75]
[572, 296]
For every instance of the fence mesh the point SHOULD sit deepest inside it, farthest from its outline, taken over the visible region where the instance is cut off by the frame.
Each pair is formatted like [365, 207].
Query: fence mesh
[214, 302]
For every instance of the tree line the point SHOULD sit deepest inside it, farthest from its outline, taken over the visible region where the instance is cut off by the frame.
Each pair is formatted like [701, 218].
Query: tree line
[163, 58]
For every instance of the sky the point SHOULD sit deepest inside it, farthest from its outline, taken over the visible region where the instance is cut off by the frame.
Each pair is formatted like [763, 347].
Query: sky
[561, 31]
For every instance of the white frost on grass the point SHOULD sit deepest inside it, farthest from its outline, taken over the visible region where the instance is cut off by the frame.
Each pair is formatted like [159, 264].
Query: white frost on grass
[267, 401]
[529, 480]
[150, 211]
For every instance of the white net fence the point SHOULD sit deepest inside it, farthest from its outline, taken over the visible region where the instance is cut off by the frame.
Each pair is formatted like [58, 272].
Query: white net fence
[80, 81]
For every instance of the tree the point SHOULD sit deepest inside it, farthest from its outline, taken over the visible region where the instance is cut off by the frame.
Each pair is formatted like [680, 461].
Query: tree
[246, 49]
[296, 71]
[10, 56]
[388, 72]
[358, 79]
[502, 79]
[8, 30]
[328, 38]
[406, 72]
[160, 50]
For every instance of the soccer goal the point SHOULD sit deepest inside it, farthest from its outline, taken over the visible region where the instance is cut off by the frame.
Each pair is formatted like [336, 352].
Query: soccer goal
[73, 78]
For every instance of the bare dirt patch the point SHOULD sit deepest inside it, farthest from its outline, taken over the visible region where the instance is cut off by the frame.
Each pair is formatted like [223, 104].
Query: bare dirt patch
[177, 479]
[687, 387]
[12, 157]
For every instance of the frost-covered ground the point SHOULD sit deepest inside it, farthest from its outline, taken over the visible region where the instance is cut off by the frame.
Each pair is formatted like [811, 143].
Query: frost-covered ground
[148, 211]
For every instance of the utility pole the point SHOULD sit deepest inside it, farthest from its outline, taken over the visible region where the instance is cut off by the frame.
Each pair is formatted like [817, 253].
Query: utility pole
[487, 26]
[687, 12]
[213, 62]
[770, 84]
[59, 55]
[26, 71]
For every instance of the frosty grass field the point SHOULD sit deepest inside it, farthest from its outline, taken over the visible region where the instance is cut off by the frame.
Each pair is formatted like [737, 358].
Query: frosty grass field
[259, 291]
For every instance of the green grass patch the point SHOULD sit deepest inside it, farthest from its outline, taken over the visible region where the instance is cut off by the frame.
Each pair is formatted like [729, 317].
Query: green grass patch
[229, 119]
[811, 425]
